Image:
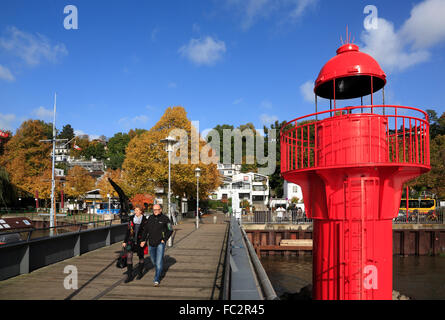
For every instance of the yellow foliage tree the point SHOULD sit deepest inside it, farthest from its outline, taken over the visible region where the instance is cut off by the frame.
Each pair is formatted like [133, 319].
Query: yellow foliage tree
[146, 162]
[78, 182]
[27, 160]
[104, 185]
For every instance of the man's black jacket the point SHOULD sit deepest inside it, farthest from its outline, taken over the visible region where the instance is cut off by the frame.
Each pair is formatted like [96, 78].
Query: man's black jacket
[157, 228]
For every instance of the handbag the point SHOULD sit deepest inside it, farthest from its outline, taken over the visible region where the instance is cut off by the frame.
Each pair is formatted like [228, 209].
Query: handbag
[122, 260]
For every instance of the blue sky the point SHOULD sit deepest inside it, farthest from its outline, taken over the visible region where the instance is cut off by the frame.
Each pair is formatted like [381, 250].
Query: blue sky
[225, 61]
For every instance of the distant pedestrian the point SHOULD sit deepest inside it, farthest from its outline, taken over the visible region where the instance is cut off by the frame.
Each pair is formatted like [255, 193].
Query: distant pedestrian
[158, 230]
[135, 242]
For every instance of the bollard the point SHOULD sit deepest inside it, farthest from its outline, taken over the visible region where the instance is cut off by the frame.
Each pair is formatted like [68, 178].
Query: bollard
[214, 219]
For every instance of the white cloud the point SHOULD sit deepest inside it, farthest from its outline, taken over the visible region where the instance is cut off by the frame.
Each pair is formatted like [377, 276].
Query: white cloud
[43, 113]
[128, 123]
[426, 25]
[300, 7]
[140, 118]
[254, 10]
[79, 133]
[32, 49]
[307, 91]
[387, 46]
[172, 85]
[6, 121]
[397, 50]
[268, 119]
[205, 51]
[91, 137]
[6, 74]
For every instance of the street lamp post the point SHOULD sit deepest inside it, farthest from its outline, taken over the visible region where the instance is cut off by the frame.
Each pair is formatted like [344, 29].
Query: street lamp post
[197, 173]
[169, 143]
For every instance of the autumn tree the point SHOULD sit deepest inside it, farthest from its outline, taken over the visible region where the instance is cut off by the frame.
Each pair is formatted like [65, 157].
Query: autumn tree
[104, 185]
[135, 132]
[8, 192]
[27, 160]
[78, 182]
[146, 162]
[142, 200]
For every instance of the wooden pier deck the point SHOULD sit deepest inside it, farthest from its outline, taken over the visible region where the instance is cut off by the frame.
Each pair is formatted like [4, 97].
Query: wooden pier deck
[193, 270]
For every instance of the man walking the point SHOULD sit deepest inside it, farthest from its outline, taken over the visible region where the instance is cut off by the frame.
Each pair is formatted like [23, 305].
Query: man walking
[158, 230]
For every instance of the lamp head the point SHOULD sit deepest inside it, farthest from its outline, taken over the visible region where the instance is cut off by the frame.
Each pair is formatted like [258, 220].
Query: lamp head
[169, 143]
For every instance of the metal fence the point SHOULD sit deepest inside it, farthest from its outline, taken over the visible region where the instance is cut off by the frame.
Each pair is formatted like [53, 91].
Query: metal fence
[295, 217]
[56, 244]
[244, 276]
[269, 217]
[416, 217]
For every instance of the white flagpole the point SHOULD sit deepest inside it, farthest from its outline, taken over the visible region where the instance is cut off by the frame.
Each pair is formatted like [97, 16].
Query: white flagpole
[53, 183]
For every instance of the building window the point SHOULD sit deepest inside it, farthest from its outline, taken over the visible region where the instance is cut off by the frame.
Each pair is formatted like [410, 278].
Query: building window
[259, 188]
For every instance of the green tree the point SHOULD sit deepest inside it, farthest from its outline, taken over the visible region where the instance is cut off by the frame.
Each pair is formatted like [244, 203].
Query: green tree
[66, 133]
[95, 149]
[116, 150]
[434, 180]
[275, 179]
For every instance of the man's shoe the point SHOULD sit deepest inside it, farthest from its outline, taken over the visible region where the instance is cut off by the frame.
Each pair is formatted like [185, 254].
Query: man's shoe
[156, 284]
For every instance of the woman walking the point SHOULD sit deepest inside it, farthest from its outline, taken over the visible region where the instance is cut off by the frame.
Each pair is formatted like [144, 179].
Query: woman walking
[135, 243]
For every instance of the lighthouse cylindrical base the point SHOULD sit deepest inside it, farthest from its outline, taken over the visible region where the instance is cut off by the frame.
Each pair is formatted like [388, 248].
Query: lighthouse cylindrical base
[349, 262]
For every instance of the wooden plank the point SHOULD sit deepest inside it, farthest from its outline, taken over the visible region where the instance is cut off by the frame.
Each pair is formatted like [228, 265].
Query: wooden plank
[283, 248]
[192, 265]
[296, 242]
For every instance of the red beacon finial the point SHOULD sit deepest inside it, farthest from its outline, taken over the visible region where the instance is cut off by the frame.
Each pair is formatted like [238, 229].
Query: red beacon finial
[351, 166]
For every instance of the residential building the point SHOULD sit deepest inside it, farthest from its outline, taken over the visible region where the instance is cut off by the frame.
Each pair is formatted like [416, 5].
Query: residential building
[250, 186]
[228, 170]
[292, 190]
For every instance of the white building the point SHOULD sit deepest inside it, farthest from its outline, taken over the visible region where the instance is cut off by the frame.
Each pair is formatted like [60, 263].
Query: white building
[292, 190]
[250, 186]
[228, 170]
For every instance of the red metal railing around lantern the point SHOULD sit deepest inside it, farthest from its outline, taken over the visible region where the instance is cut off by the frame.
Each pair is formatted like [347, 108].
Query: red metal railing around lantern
[388, 135]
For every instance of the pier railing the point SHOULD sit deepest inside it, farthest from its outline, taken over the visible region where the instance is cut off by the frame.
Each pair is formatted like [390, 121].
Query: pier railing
[245, 278]
[269, 217]
[293, 217]
[28, 254]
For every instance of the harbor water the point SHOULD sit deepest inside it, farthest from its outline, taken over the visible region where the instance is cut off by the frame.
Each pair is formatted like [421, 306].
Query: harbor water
[418, 277]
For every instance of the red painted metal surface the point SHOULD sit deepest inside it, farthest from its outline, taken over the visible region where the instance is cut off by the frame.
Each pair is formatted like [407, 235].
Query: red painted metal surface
[351, 164]
[352, 72]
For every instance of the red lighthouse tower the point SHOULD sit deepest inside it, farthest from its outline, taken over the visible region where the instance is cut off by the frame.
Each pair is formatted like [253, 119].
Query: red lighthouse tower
[352, 163]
